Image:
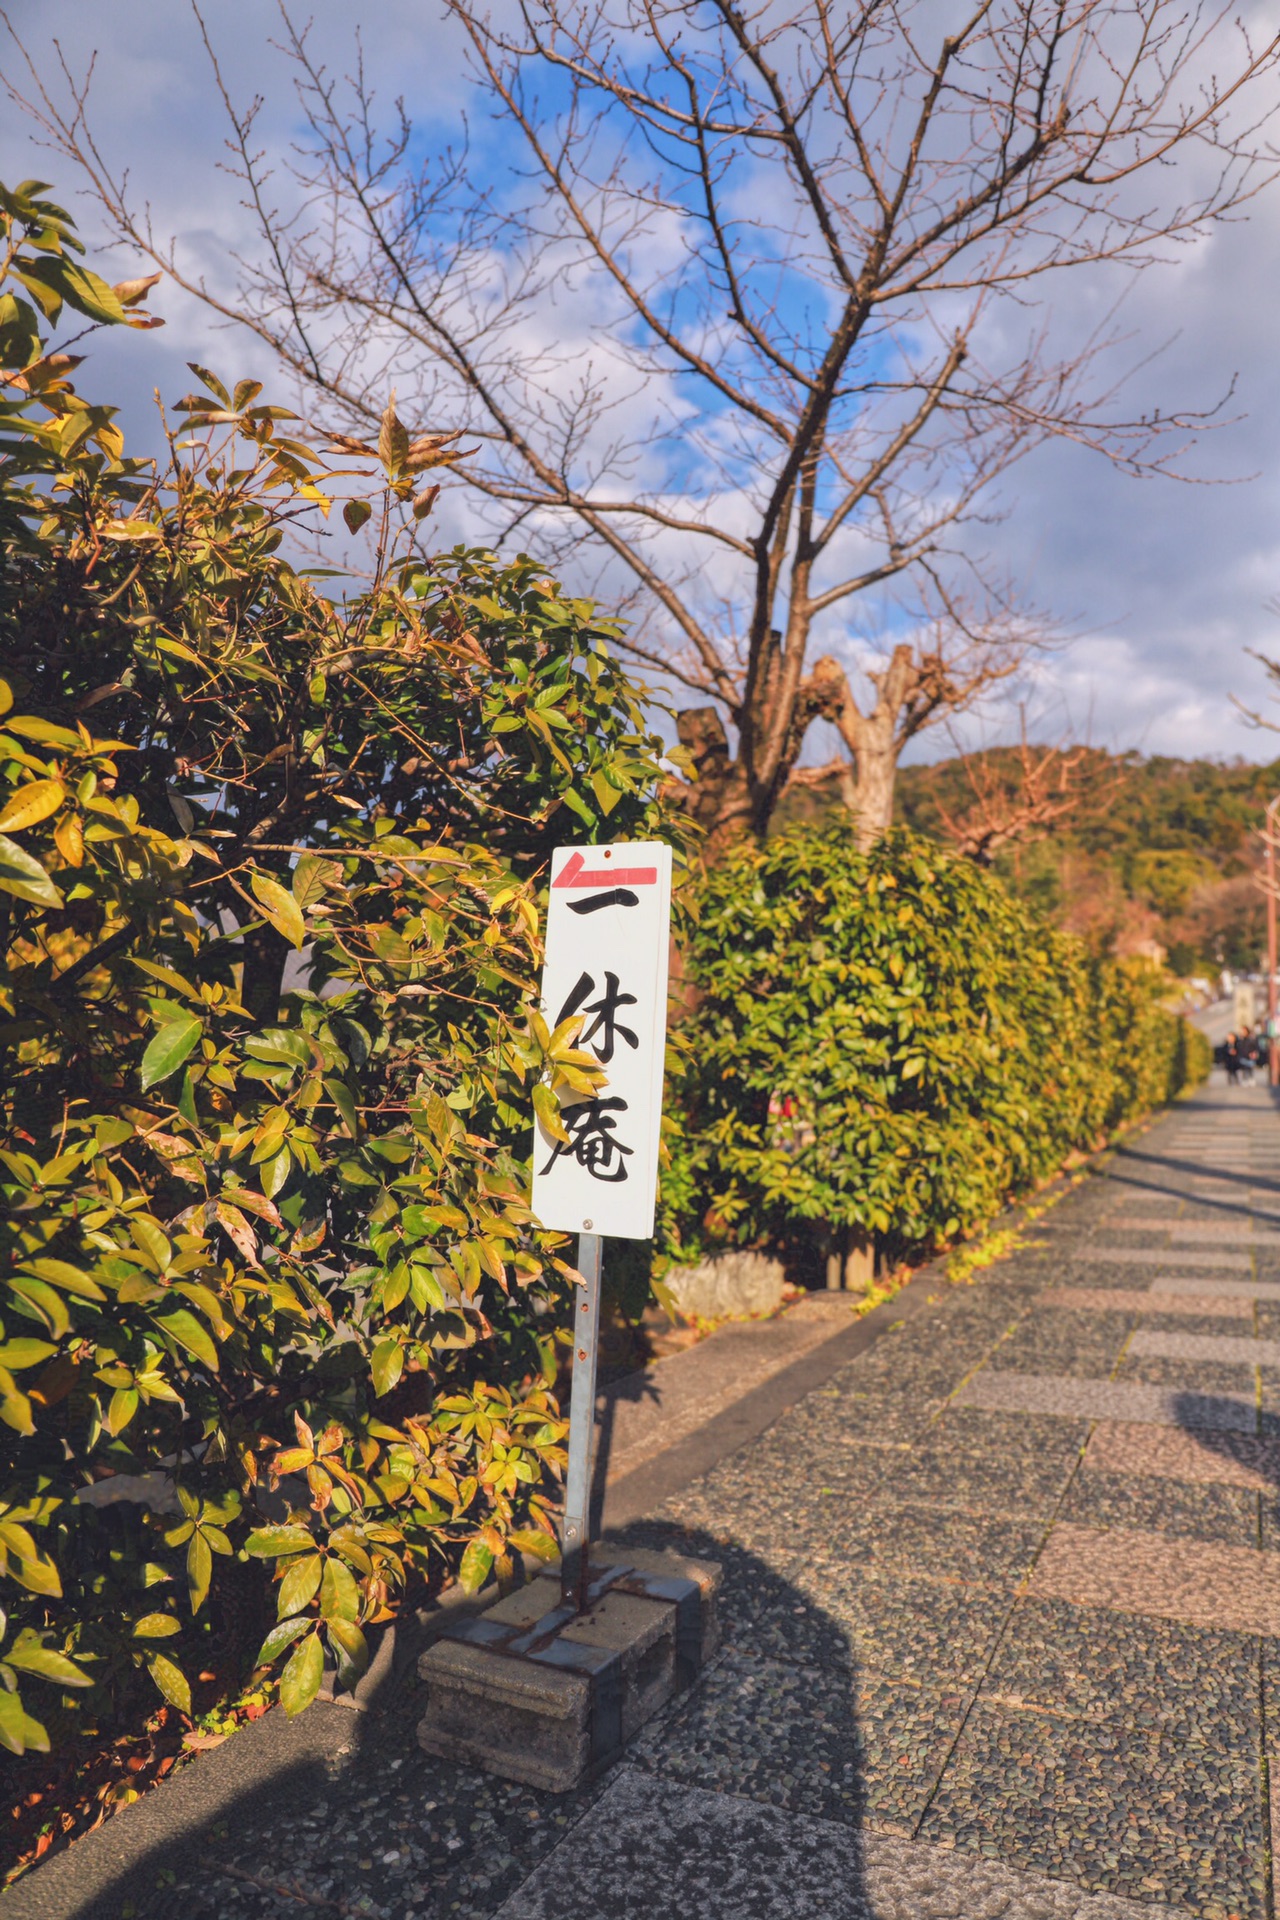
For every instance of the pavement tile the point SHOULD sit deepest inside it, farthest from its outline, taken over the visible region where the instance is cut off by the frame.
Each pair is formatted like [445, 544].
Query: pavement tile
[1204, 1512]
[653, 1848]
[397, 1833]
[938, 1544]
[1231, 1349]
[1193, 1684]
[839, 1747]
[1225, 1231]
[840, 1533]
[1108, 1400]
[1109, 1808]
[1135, 1303]
[1196, 1458]
[1167, 1316]
[1063, 1344]
[1172, 1257]
[832, 1416]
[913, 1375]
[902, 1626]
[1218, 1289]
[1207, 1378]
[1091, 1275]
[1203, 1584]
[1019, 1468]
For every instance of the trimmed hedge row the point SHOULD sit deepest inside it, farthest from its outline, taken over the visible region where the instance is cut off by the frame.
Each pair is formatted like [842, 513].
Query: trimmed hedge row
[889, 1043]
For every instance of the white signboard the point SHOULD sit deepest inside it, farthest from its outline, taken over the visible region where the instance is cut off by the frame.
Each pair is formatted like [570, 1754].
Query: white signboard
[607, 931]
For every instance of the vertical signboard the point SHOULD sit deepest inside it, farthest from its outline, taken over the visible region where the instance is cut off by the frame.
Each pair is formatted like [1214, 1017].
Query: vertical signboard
[608, 925]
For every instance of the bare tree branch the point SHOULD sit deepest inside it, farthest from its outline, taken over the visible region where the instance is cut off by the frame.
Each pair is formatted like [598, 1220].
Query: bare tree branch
[755, 322]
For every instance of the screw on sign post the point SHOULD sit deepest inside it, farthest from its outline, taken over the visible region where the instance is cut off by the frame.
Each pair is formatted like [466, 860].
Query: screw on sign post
[608, 925]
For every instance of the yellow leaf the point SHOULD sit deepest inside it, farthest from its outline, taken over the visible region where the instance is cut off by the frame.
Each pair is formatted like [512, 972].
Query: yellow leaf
[281, 909]
[69, 838]
[31, 803]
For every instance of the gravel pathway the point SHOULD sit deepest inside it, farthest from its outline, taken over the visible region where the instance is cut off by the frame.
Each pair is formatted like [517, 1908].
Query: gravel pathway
[1001, 1624]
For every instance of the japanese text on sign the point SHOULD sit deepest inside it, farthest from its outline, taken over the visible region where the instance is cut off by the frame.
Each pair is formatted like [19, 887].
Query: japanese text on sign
[607, 932]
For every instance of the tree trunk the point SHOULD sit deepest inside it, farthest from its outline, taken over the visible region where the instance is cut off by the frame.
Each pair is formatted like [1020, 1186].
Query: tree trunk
[875, 776]
[730, 797]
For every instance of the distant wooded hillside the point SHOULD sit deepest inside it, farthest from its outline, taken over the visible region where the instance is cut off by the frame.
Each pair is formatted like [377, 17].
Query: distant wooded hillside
[1158, 854]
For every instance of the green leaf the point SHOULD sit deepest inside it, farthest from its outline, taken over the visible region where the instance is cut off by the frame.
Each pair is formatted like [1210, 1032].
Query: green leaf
[300, 1583]
[15, 1408]
[199, 1570]
[355, 513]
[270, 1543]
[300, 1681]
[275, 1172]
[350, 1650]
[170, 1047]
[339, 1594]
[191, 1334]
[212, 382]
[312, 879]
[77, 285]
[29, 1656]
[60, 1273]
[386, 1365]
[475, 1566]
[15, 1355]
[281, 909]
[22, 875]
[187, 1100]
[47, 298]
[547, 1108]
[578, 805]
[279, 1043]
[171, 1681]
[18, 1731]
[340, 1094]
[123, 1405]
[45, 1303]
[280, 1637]
[606, 794]
[533, 1540]
[156, 1626]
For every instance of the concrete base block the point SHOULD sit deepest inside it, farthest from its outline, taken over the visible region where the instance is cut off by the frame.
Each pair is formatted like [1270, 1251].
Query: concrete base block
[536, 1692]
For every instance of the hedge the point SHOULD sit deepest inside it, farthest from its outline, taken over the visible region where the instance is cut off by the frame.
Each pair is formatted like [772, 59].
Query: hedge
[889, 1043]
[269, 920]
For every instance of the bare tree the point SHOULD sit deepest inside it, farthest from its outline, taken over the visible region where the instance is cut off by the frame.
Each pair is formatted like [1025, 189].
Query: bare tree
[757, 316]
[1027, 792]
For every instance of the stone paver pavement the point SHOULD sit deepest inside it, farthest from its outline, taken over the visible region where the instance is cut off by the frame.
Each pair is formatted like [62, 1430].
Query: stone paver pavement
[1001, 1624]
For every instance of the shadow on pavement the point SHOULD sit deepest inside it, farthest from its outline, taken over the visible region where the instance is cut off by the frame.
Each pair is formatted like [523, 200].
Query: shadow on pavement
[340, 1812]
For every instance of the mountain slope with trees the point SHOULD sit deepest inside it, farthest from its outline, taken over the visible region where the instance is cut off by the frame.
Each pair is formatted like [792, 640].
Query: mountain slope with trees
[1157, 852]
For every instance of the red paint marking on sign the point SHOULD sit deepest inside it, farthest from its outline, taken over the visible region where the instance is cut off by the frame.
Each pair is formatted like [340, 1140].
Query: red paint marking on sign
[575, 873]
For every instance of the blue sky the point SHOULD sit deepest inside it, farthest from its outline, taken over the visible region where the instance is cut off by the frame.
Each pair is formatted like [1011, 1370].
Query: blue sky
[1165, 585]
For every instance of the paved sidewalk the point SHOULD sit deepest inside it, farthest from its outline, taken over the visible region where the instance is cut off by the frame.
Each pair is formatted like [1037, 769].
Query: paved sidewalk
[1002, 1623]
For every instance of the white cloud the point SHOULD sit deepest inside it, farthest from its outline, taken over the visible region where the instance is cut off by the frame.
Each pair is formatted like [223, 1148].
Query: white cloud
[1166, 584]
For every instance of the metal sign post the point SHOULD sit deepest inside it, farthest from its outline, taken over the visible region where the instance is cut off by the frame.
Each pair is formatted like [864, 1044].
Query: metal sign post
[582, 1423]
[608, 927]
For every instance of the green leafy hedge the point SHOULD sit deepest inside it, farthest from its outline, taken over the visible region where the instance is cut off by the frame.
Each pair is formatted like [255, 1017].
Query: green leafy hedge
[269, 949]
[888, 1042]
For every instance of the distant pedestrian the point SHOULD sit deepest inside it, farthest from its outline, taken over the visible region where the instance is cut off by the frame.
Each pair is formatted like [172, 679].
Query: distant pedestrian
[1231, 1059]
